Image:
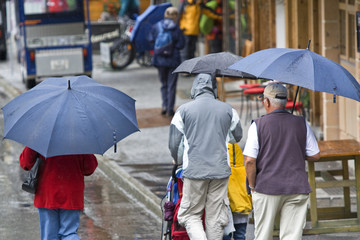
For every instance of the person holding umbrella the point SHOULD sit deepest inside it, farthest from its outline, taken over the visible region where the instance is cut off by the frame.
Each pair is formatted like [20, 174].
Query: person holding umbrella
[276, 148]
[60, 192]
[71, 119]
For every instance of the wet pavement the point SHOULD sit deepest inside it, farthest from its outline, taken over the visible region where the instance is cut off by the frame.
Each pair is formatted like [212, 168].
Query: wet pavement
[112, 211]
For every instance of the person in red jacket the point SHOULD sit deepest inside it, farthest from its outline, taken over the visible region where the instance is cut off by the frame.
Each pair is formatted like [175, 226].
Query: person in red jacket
[60, 192]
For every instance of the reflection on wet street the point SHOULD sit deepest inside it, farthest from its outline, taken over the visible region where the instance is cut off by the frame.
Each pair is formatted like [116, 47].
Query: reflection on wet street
[154, 176]
[112, 215]
[109, 212]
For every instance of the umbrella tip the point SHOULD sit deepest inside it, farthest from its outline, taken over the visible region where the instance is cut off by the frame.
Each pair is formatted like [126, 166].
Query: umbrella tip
[308, 44]
[69, 85]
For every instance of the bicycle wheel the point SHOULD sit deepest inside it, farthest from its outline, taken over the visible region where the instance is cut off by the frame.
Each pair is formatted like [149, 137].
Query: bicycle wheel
[144, 59]
[122, 54]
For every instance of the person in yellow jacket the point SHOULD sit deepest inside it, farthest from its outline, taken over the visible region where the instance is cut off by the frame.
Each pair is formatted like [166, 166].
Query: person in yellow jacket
[190, 12]
[240, 200]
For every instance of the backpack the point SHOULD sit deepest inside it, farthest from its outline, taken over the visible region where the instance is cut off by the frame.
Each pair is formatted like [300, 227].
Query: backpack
[163, 43]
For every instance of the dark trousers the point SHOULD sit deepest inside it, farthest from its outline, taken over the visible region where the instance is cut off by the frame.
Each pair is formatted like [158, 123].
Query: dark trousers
[189, 50]
[168, 88]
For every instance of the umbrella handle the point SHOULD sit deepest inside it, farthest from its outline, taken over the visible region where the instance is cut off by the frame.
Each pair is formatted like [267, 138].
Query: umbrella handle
[297, 91]
[114, 137]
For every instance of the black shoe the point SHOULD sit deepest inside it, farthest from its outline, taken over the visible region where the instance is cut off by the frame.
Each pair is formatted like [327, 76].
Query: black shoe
[163, 111]
[170, 113]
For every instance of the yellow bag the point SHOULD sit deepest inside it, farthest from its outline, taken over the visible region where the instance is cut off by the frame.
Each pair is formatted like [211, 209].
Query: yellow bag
[240, 201]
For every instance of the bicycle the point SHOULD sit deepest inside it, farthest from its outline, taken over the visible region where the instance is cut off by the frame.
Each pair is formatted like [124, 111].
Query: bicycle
[123, 51]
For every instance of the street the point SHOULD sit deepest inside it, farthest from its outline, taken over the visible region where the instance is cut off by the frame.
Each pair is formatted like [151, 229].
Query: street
[110, 211]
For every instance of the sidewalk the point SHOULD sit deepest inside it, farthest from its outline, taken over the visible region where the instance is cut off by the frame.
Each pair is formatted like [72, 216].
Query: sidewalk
[142, 165]
[144, 155]
[146, 160]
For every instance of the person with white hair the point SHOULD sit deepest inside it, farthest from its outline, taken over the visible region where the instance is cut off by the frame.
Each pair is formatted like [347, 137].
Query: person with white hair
[277, 146]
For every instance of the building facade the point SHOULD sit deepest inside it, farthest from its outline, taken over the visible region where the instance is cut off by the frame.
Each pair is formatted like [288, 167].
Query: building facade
[331, 25]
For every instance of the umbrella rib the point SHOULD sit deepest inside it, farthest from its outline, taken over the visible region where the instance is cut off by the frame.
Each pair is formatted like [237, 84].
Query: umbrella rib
[28, 111]
[53, 127]
[118, 109]
[102, 114]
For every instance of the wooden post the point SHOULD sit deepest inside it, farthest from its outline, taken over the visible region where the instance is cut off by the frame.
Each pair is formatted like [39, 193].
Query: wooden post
[330, 38]
[238, 37]
[313, 203]
[225, 30]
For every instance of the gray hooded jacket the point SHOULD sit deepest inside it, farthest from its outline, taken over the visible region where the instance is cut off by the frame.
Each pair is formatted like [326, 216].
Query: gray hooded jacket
[200, 131]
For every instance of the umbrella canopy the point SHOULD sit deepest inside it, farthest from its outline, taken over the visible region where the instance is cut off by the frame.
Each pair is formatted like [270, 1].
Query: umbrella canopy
[303, 68]
[70, 115]
[213, 63]
[143, 24]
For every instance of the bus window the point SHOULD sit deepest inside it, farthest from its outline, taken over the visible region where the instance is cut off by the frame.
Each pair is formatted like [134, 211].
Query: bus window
[48, 6]
[34, 7]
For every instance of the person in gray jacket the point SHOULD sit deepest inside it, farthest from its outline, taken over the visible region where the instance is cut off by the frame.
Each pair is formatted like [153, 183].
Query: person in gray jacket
[199, 133]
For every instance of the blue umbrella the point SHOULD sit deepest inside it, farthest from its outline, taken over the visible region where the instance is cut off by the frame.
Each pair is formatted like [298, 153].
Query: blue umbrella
[300, 67]
[143, 24]
[70, 115]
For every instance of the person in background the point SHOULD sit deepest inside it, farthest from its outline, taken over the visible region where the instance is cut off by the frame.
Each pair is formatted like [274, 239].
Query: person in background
[190, 12]
[202, 128]
[215, 36]
[166, 63]
[60, 192]
[276, 148]
[240, 200]
[129, 8]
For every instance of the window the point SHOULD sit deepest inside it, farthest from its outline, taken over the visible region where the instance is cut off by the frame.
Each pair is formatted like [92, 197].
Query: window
[342, 33]
[351, 35]
[347, 31]
[49, 6]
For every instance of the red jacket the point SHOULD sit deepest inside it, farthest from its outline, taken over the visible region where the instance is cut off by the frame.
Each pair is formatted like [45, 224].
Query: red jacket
[61, 179]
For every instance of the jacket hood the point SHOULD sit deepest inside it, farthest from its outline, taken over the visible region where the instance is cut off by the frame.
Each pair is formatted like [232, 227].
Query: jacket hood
[168, 24]
[203, 83]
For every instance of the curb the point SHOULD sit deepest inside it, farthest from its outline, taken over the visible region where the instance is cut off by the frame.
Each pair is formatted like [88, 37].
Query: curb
[112, 170]
[122, 178]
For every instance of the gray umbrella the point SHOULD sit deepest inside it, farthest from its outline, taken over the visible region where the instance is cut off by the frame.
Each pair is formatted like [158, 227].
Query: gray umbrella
[214, 64]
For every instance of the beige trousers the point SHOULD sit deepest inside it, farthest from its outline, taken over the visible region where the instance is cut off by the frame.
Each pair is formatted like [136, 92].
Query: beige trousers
[292, 210]
[211, 195]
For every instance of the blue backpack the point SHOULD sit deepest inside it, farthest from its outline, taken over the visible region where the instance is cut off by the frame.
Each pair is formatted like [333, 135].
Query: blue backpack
[163, 43]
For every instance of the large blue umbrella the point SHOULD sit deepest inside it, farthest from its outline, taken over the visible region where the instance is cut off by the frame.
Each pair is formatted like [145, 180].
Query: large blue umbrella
[70, 115]
[143, 24]
[300, 67]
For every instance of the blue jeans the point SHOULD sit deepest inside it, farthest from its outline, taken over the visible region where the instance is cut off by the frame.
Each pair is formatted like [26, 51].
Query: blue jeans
[239, 234]
[59, 224]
